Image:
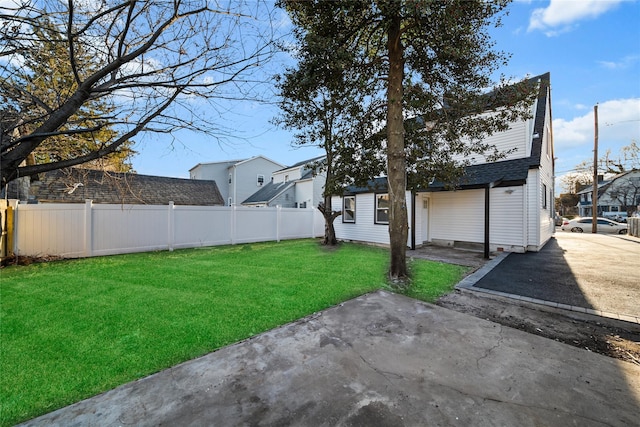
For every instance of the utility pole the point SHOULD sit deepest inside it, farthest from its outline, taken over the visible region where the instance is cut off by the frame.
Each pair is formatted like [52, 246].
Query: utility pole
[594, 197]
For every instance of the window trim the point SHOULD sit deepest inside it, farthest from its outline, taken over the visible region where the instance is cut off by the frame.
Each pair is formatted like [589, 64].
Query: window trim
[344, 220]
[376, 209]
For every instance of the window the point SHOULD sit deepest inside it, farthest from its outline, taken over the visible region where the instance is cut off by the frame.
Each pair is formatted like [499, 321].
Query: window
[349, 209]
[260, 180]
[229, 178]
[544, 196]
[286, 178]
[382, 209]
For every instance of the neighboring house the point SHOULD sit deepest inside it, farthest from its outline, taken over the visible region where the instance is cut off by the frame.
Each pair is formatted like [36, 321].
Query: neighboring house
[617, 197]
[237, 179]
[297, 186]
[499, 206]
[75, 185]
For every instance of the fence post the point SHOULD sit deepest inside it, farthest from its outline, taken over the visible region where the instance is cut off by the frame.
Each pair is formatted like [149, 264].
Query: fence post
[278, 218]
[233, 224]
[88, 228]
[171, 230]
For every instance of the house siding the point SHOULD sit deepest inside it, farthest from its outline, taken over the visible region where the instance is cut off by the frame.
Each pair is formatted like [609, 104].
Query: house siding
[304, 193]
[506, 230]
[365, 229]
[244, 176]
[512, 142]
[218, 172]
[457, 216]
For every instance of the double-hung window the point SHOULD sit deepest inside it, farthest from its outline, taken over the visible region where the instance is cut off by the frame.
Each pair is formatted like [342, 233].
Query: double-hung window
[349, 209]
[382, 209]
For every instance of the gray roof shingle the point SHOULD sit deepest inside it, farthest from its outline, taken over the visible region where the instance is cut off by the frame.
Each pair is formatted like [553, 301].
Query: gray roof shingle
[268, 192]
[75, 185]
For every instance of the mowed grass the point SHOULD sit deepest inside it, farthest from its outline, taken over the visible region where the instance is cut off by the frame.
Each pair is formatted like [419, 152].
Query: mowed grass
[73, 329]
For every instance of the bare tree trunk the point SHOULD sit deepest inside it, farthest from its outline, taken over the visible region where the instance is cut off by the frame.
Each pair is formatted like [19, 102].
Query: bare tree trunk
[329, 216]
[396, 162]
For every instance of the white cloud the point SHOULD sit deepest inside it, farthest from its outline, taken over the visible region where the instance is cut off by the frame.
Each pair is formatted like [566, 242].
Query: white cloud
[561, 16]
[625, 62]
[618, 120]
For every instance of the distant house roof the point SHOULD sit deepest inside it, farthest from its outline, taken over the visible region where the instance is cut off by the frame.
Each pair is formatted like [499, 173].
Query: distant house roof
[303, 163]
[237, 162]
[75, 185]
[500, 173]
[268, 192]
[604, 185]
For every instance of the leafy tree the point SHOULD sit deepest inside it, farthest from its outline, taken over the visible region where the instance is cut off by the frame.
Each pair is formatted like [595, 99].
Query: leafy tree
[566, 204]
[49, 81]
[149, 66]
[321, 100]
[435, 60]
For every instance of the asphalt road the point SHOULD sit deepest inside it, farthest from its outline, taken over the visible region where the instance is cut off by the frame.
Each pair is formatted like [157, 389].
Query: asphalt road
[593, 271]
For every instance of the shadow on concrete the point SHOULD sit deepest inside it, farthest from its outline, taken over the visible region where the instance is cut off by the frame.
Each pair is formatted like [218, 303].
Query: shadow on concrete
[543, 275]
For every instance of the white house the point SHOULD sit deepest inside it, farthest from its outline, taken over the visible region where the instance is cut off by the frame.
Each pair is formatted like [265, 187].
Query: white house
[499, 206]
[617, 197]
[296, 186]
[237, 179]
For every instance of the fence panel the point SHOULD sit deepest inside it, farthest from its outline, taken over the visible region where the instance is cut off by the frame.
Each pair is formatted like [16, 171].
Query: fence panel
[76, 230]
[255, 224]
[196, 226]
[128, 228]
[52, 229]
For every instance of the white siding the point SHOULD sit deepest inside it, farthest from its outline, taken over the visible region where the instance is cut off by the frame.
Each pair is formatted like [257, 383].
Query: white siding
[457, 216]
[514, 141]
[218, 172]
[304, 192]
[245, 175]
[318, 188]
[365, 229]
[507, 224]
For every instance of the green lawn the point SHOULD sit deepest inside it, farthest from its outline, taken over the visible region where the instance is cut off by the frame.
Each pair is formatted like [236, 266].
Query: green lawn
[73, 329]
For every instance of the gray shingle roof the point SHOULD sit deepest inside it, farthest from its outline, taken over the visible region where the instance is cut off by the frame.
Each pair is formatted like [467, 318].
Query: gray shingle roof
[268, 192]
[302, 163]
[123, 188]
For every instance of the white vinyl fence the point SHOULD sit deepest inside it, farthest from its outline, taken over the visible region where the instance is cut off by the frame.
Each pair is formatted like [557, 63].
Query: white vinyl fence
[84, 230]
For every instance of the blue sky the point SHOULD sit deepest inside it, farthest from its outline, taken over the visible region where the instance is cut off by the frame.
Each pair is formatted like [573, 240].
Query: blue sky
[590, 47]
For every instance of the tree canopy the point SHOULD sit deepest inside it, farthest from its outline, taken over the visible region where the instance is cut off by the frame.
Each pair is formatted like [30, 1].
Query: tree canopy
[432, 62]
[127, 67]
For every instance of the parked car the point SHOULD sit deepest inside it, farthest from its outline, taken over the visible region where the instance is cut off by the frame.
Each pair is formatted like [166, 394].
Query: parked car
[579, 225]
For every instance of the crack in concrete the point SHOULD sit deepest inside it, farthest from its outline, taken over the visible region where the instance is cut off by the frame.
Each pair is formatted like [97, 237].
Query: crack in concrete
[489, 351]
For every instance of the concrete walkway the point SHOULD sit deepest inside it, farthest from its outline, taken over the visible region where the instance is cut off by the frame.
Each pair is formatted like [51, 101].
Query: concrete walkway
[378, 360]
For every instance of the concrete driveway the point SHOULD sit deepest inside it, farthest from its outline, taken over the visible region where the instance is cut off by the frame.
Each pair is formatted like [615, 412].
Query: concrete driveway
[598, 273]
[378, 360]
